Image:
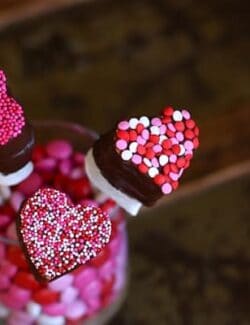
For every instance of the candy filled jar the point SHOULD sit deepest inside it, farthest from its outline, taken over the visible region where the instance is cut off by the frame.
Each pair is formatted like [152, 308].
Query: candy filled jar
[92, 293]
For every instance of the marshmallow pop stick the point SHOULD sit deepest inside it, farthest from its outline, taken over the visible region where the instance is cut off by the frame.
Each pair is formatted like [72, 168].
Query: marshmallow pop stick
[142, 159]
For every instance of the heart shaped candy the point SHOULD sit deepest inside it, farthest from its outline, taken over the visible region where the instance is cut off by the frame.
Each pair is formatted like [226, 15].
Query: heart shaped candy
[57, 236]
[11, 114]
[160, 147]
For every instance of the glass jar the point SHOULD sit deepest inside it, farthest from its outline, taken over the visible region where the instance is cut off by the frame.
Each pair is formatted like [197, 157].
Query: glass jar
[90, 294]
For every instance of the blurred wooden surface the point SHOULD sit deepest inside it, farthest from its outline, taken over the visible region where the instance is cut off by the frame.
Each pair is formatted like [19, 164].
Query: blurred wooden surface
[12, 11]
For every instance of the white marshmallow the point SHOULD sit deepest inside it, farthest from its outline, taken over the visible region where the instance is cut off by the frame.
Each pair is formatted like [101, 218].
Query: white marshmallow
[131, 205]
[16, 177]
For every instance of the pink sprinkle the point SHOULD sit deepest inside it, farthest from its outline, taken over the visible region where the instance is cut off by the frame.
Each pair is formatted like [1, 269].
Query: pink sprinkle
[145, 134]
[163, 129]
[179, 136]
[173, 158]
[156, 121]
[121, 144]
[123, 125]
[136, 159]
[155, 162]
[140, 140]
[171, 127]
[157, 148]
[174, 176]
[174, 141]
[189, 145]
[166, 188]
[186, 114]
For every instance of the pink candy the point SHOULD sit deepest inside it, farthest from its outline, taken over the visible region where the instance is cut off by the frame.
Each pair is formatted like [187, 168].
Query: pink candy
[76, 310]
[59, 149]
[61, 283]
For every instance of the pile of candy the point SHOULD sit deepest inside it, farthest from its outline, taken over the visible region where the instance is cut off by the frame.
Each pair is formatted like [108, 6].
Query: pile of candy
[75, 296]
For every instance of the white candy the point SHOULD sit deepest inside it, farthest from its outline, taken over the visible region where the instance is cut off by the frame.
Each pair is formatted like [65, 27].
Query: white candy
[34, 309]
[4, 312]
[50, 320]
[153, 172]
[147, 162]
[132, 206]
[163, 160]
[155, 130]
[133, 147]
[177, 116]
[182, 151]
[145, 121]
[126, 155]
[133, 122]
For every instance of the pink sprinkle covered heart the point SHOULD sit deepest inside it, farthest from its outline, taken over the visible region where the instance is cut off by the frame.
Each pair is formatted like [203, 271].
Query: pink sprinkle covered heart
[12, 118]
[58, 236]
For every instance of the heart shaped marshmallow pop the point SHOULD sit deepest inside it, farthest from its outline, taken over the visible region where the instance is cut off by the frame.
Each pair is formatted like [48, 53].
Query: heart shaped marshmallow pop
[143, 158]
[57, 236]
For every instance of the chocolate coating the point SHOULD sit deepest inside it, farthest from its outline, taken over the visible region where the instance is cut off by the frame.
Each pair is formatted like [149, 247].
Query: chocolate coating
[17, 152]
[124, 175]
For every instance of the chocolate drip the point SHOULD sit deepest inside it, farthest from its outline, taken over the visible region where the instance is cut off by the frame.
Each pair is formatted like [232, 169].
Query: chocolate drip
[17, 152]
[123, 175]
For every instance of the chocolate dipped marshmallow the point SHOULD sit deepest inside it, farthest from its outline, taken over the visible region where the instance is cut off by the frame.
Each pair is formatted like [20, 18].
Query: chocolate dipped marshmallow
[16, 139]
[143, 158]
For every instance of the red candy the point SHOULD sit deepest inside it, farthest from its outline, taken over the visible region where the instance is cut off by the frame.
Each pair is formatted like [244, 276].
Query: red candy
[26, 280]
[45, 296]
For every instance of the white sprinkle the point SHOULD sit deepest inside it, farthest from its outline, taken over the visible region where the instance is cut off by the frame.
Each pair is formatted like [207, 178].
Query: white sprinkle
[152, 172]
[155, 130]
[182, 151]
[162, 138]
[147, 162]
[145, 121]
[126, 155]
[163, 160]
[133, 147]
[177, 116]
[133, 122]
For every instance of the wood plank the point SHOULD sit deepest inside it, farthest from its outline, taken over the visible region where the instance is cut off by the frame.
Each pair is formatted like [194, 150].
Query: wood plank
[12, 11]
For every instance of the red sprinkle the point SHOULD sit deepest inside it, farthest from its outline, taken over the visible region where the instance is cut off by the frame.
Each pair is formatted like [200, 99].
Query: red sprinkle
[190, 124]
[159, 179]
[122, 135]
[143, 168]
[168, 111]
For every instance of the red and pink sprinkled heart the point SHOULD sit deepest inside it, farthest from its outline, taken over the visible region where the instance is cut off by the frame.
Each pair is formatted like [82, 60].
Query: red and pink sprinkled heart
[11, 114]
[57, 236]
[161, 147]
